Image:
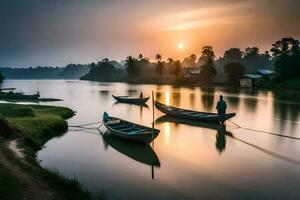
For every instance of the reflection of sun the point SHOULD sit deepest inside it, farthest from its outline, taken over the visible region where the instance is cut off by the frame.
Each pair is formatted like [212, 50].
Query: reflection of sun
[180, 45]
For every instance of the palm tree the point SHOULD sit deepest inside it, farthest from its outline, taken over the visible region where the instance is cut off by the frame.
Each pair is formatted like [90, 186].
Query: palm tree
[160, 65]
[170, 60]
[130, 64]
[158, 57]
[141, 56]
[177, 68]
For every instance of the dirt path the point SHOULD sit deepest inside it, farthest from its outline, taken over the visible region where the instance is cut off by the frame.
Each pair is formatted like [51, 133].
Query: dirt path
[31, 189]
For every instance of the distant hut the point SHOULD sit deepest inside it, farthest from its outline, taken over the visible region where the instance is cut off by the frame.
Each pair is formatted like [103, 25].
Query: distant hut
[267, 74]
[251, 80]
[192, 72]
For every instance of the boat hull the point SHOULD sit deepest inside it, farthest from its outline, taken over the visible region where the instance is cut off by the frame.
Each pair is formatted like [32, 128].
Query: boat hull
[146, 137]
[125, 99]
[189, 114]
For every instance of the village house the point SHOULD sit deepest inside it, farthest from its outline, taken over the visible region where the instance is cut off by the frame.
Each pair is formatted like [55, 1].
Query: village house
[258, 79]
[192, 72]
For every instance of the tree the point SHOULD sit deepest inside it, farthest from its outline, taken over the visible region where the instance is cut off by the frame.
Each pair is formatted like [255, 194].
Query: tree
[131, 66]
[254, 60]
[207, 53]
[158, 57]
[105, 60]
[193, 57]
[233, 55]
[160, 65]
[141, 56]
[208, 72]
[1, 77]
[286, 53]
[177, 70]
[189, 61]
[234, 71]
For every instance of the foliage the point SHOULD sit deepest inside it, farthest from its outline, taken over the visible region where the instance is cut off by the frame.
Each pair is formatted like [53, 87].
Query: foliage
[233, 55]
[287, 55]
[35, 128]
[208, 72]
[234, 71]
[103, 70]
[254, 60]
[1, 77]
[177, 69]
[160, 67]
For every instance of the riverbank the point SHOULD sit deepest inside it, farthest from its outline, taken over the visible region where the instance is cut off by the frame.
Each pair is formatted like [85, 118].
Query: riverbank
[31, 126]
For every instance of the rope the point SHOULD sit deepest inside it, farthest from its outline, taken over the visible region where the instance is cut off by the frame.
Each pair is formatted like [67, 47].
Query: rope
[266, 132]
[82, 125]
[268, 151]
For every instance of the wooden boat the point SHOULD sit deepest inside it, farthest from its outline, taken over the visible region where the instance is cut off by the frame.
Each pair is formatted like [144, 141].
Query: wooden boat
[129, 131]
[190, 114]
[138, 152]
[131, 100]
[18, 96]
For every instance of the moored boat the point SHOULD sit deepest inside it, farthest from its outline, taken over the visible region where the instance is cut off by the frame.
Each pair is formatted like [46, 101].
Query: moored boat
[131, 100]
[18, 96]
[190, 114]
[128, 130]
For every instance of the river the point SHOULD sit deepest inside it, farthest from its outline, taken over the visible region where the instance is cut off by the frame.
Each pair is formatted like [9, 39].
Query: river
[186, 161]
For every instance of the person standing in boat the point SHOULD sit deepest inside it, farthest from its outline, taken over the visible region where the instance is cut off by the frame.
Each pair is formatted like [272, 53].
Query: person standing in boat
[141, 95]
[221, 107]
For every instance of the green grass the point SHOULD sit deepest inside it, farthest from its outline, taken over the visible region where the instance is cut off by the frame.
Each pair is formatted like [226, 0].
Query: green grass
[36, 125]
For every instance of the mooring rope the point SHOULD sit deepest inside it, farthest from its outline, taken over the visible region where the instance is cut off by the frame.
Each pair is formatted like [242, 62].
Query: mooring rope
[83, 125]
[266, 132]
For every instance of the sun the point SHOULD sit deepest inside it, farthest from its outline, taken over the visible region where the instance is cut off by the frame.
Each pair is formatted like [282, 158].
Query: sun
[180, 46]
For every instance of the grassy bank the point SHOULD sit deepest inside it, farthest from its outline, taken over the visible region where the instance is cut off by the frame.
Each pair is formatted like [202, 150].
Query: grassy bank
[33, 125]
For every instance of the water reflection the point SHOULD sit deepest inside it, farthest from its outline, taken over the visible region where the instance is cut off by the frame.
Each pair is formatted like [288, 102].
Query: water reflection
[221, 138]
[191, 166]
[220, 135]
[139, 152]
[207, 98]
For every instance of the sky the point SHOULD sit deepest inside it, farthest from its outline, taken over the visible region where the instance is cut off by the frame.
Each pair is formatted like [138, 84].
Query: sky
[58, 32]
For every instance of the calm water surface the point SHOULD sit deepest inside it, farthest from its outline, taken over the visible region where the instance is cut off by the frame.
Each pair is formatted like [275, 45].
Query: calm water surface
[186, 161]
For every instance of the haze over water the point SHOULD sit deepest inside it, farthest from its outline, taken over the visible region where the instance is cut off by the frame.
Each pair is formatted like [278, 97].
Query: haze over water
[195, 162]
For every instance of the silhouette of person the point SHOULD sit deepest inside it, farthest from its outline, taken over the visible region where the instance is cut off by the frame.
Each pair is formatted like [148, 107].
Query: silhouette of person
[141, 95]
[221, 107]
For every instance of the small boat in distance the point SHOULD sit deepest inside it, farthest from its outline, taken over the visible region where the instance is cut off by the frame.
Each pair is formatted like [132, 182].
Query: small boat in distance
[190, 114]
[131, 100]
[128, 130]
[18, 96]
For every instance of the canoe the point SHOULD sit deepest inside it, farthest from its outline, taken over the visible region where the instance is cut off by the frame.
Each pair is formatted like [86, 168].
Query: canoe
[190, 114]
[132, 100]
[136, 151]
[130, 131]
[18, 96]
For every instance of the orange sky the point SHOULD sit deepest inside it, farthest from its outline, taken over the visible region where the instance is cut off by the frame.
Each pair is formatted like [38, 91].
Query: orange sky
[59, 32]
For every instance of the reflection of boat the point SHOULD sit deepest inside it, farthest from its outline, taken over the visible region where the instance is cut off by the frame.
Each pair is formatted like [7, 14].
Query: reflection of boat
[142, 105]
[139, 152]
[128, 130]
[18, 96]
[167, 118]
[190, 114]
[132, 100]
